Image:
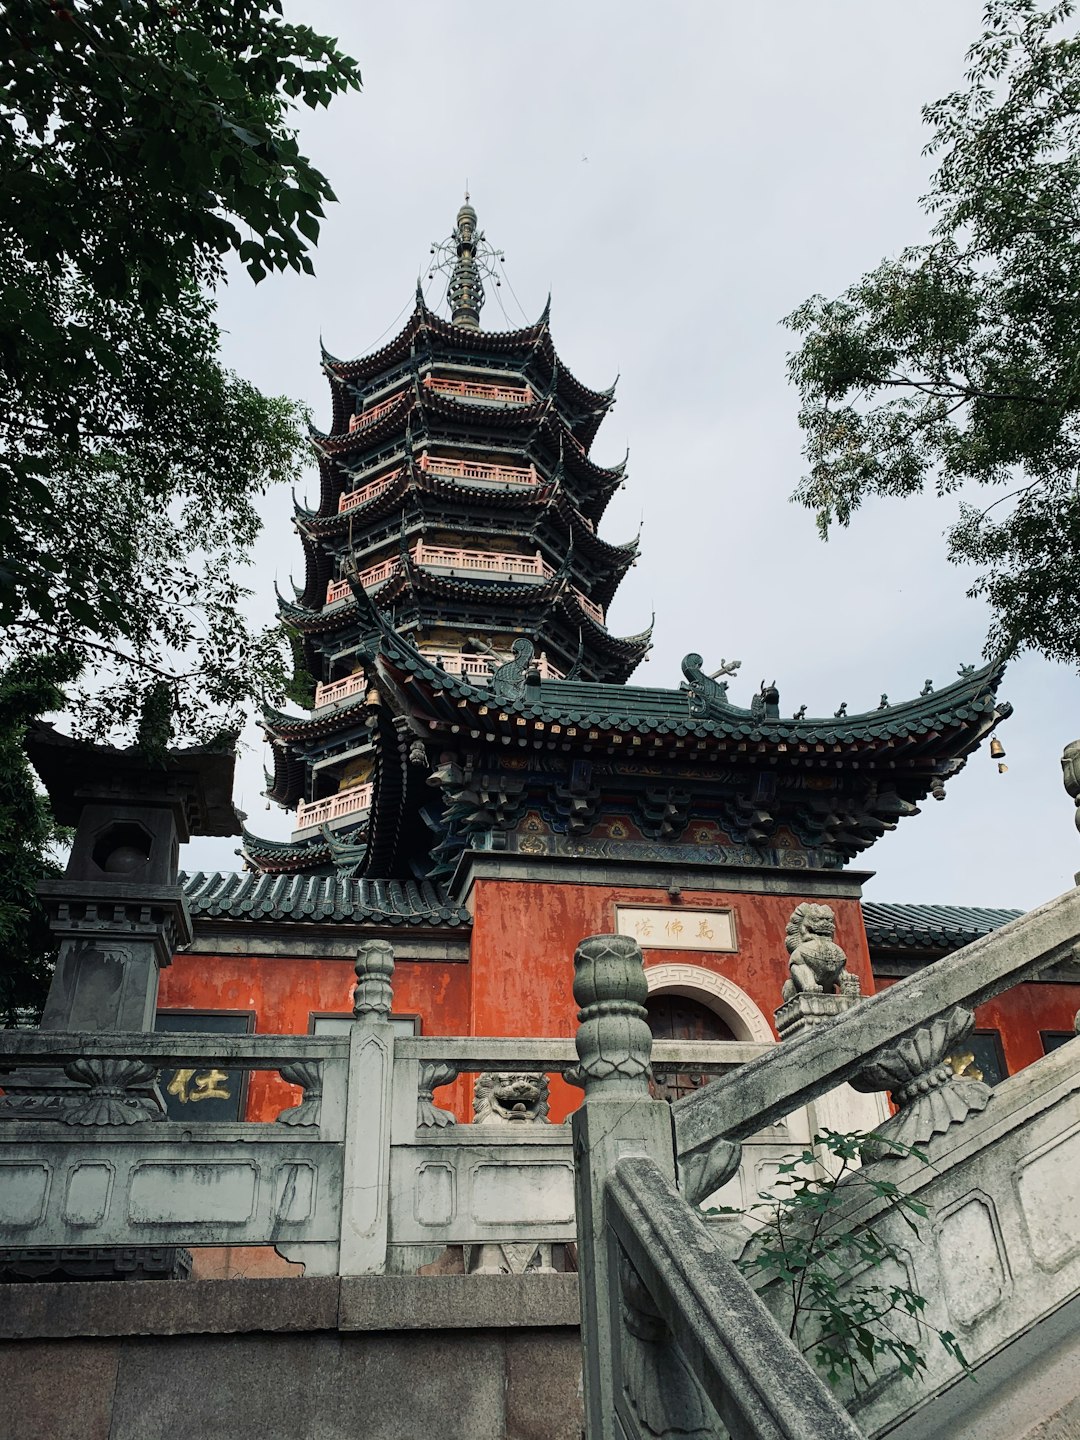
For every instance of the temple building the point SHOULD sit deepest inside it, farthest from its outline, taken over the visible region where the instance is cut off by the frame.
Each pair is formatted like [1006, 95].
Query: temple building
[474, 778]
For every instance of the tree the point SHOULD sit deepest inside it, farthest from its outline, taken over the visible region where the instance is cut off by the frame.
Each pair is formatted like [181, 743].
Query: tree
[958, 364]
[140, 145]
[28, 834]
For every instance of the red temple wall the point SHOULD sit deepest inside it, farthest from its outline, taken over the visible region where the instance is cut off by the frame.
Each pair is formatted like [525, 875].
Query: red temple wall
[524, 936]
[284, 991]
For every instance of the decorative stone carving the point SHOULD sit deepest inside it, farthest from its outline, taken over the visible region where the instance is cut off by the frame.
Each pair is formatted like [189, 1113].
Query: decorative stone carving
[703, 1172]
[109, 1100]
[929, 1095]
[432, 1074]
[1070, 767]
[374, 993]
[657, 1383]
[614, 1042]
[505, 1098]
[818, 964]
[308, 1075]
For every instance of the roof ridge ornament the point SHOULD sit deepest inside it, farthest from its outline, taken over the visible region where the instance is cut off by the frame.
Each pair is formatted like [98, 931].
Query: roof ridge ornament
[703, 690]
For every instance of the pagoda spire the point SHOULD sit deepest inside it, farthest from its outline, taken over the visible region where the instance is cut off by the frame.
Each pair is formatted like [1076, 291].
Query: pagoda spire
[466, 291]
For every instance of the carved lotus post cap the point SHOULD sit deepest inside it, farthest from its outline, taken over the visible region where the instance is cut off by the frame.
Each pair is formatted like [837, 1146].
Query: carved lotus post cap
[609, 968]
[373, 995]
[375, 955]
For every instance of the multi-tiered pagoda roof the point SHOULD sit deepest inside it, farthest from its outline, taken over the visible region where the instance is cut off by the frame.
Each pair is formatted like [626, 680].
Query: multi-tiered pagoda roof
[468, 694]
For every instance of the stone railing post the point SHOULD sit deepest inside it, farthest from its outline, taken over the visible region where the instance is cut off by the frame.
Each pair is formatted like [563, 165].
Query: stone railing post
[618, 1118]
[365, 1197]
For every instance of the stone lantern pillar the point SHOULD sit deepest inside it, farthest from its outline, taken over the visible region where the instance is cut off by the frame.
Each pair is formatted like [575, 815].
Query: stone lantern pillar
[118, 911]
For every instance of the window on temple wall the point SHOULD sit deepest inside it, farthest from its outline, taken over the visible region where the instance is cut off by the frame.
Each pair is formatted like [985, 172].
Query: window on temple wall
[676, 1017]
[204, 1092]
[980, 1057]
[1054, 1039]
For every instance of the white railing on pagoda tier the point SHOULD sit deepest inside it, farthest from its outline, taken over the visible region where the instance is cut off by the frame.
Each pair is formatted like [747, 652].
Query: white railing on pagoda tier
[363, 418]
[447, 557]
[479, 667]
[351, 498]
[481, 390]
[453, 469]
[590, 606]
[310, 813]
[480, 470]
[338, 690]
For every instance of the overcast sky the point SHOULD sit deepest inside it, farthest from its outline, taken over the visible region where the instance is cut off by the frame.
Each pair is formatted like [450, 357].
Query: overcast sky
[680, 177]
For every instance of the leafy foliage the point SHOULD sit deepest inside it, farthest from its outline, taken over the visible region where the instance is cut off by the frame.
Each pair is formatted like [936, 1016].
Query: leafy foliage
[957, 364]
[140, 145]
[851, 1307]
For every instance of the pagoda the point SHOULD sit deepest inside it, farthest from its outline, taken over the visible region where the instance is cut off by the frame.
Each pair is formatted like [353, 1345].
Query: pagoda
[457, 496]
[468, 696]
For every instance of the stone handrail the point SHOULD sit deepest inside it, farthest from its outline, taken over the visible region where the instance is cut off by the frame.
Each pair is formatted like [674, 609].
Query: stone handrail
[677, 1282]
[839, 1049]
[19, 1048]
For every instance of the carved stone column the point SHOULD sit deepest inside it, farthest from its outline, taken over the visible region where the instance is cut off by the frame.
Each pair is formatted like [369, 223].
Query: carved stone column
[1070, 774]
[365, 1210]
[618, 1118]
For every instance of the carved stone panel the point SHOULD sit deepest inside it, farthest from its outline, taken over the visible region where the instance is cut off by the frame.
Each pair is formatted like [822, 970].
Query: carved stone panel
[971, 1258]
[172, 1191]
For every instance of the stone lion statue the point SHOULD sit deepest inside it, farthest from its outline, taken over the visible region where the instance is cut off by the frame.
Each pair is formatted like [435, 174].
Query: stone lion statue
[817, 963]
[502, 1098]
[506, 1098]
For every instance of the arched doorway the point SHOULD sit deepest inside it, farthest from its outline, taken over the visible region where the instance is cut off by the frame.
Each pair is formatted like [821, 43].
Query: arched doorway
[677, 1017]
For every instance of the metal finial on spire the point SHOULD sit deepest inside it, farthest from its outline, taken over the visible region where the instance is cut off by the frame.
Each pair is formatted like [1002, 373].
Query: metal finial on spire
[467, 258]
[466, 290]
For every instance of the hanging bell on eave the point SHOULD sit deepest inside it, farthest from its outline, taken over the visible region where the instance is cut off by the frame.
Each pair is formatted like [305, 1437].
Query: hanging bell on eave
[997, 749]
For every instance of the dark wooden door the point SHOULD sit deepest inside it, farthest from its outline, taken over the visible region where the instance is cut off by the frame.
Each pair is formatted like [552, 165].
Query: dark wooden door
[675, 1017]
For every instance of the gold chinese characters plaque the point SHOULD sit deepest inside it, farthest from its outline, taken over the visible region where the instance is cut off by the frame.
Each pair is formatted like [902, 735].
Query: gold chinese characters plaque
[678, 929]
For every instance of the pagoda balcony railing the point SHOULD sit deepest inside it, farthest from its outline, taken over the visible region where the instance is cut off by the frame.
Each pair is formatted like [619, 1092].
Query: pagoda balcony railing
[590, 606]
[351, 498]
[449, 558]
[363, 418]
[446, 557]
[480, 667]
[338, 690]
[480, 470]
[481, 390]
[310, 813]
